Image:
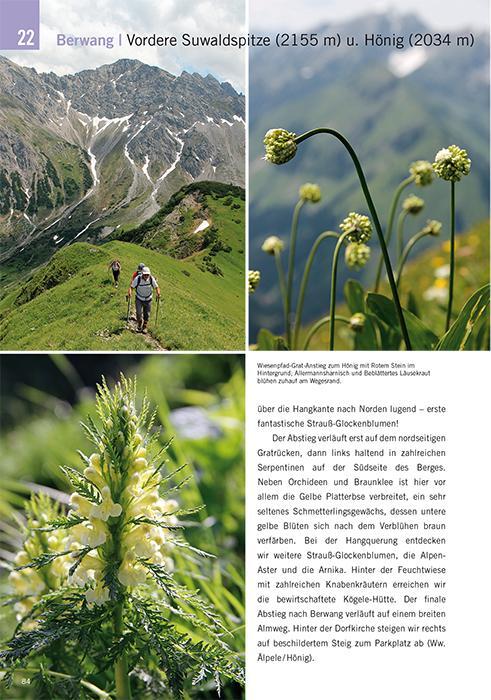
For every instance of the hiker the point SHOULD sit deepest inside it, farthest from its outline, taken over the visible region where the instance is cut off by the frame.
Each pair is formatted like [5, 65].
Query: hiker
[137, 271]
[115, 267]
[143, 284]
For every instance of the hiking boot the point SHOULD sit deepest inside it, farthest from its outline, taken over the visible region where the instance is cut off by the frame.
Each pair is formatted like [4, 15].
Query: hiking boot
[139, 326]
[144, 327]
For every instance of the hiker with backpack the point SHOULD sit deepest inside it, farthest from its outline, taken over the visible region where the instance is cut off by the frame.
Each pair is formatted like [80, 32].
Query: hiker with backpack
[115, 267]
[138, 271]
[143, 283]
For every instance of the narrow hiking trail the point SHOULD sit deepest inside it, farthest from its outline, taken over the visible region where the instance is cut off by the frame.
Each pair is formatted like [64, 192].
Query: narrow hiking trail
[149, 339]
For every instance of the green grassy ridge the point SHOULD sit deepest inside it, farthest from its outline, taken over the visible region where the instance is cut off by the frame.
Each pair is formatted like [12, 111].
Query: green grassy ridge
[64, 264]
[472, 272]
[150, 229]
[199, 311]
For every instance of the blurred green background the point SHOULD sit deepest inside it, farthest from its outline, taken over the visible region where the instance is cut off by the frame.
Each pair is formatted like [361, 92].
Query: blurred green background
[199, 402]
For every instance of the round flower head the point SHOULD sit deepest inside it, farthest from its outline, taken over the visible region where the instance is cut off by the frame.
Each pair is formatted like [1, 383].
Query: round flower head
[413, 204]
[357, 227]
[452, 163]
[422, 172]
[272, 245]
[432, 227]
[253, 279]
[357, 322]
[357, 255]
[280, 146]
[310, 193]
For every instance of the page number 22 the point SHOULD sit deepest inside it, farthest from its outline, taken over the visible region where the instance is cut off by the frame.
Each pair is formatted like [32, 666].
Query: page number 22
[26, 37]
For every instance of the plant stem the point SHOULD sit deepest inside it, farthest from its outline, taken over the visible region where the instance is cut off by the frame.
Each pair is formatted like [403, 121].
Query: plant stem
[376, 221]
[334, 274]
[121, 678]
[402, 261]
[123, 689]
[90, 686]
[452, 256]
[322, 322]
[390, 224]
[281, 278]
[291, 265]
[400, 234]
[305, 280]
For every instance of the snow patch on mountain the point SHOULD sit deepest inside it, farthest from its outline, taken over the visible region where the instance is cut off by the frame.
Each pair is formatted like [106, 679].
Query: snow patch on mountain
[402, 63]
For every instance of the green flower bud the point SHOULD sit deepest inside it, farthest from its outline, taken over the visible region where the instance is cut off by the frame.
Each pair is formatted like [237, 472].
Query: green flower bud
[310, 193]
[357, 322]
[413, 204]
[357, 227]
[432, 227]
[422, 172]
[280, 146]
[452, 163]
[357, 255]
[272, 245]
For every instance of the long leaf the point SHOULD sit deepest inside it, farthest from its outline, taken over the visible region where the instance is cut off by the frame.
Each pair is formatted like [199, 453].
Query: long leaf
[422, 337]
[473, 317]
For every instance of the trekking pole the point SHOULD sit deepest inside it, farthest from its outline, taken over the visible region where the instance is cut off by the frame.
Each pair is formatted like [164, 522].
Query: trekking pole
[128, 312]
[157, 311]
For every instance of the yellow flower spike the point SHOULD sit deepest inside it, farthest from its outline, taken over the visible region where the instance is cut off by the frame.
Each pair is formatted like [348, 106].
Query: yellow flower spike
[21, 559]
[81, 504]
[97, 595]
[95, 460]
[140, 463]
[141, 452]
[131, 573]
[95, 477]
[107, 508]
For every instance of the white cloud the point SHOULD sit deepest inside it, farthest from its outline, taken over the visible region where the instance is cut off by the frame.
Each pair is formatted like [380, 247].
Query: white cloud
[143, 17]
[290, 15]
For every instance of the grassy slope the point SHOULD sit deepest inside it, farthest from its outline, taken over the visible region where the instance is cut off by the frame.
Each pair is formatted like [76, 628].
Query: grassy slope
[198, 312]
[419, 276]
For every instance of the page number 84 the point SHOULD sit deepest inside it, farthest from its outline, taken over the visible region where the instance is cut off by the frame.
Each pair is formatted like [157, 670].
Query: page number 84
[26, 37]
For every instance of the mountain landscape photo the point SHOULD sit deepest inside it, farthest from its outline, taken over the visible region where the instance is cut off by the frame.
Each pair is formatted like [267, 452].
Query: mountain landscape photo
[395, 106]
[87, 161]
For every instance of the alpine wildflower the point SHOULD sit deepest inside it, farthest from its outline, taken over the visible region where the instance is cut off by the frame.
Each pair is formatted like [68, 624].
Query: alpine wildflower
[357, 322]
[280, 146]
[28, 583]
[357, 255]
[253, 279]
[422, 172]
[272, 245]
[432, 228]
[356, 227]
[452, 163]
[413, 204]
[124, 517]
[310, 193]
[77, 571]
